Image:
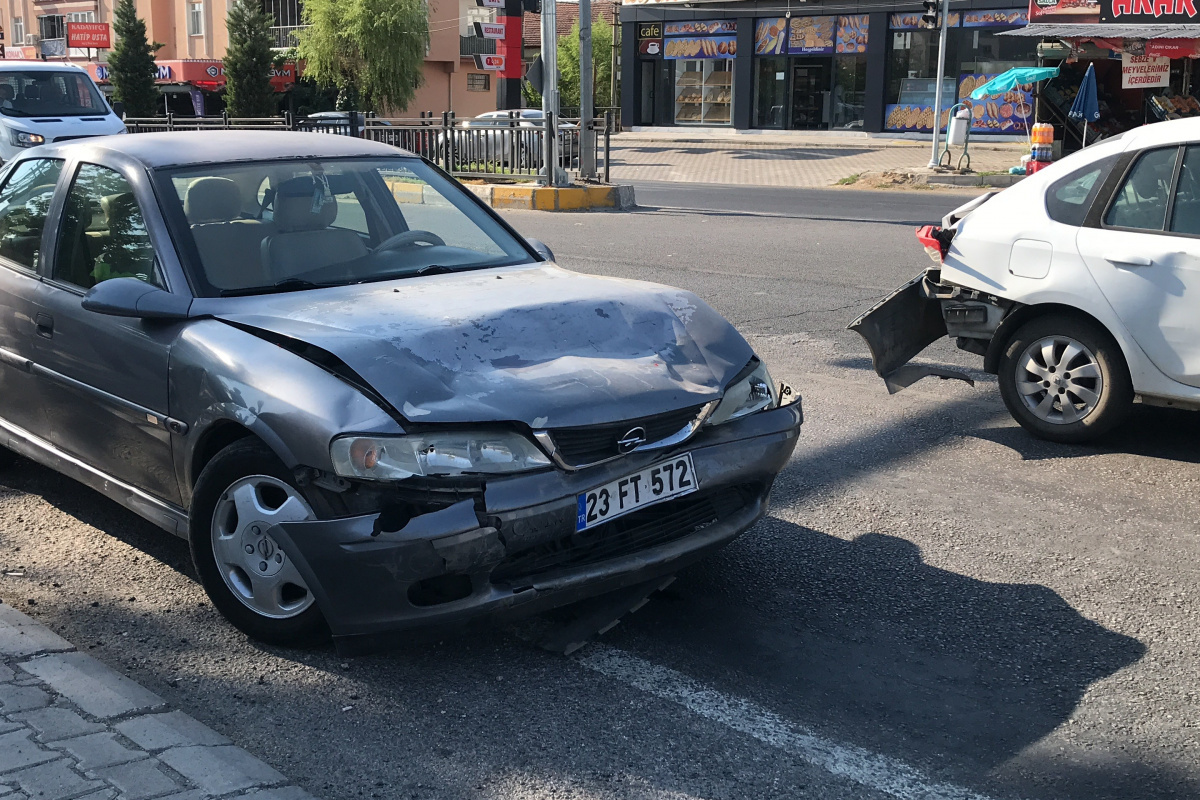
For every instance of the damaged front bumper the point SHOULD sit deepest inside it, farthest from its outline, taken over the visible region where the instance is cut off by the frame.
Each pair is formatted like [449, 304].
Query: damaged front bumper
[919, 313]
[513, 546]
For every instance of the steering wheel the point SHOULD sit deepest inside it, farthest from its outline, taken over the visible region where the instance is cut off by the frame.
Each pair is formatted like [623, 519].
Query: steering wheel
[409, 237]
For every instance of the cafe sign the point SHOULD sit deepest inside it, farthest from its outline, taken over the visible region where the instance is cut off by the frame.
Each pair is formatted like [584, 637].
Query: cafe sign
[650, 30]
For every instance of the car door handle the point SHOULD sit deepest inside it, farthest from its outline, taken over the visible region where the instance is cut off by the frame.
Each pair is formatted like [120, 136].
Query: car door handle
[1130, 260]
[45, 324]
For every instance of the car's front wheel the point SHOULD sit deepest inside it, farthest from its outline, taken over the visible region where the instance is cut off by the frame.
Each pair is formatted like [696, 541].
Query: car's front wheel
[1064, 379]
[240, 495]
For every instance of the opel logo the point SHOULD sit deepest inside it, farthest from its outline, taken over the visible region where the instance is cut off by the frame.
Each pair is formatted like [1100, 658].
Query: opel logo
[266, 548]
[632, 440]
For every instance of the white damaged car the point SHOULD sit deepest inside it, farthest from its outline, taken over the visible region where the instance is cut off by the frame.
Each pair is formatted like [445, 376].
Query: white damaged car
[1079, 287]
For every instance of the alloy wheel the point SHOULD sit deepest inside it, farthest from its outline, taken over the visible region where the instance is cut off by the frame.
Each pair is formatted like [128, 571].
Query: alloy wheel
[249, 559]
[1059, 380]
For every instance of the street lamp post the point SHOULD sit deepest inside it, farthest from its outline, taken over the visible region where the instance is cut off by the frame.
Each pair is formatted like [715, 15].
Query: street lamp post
[941, 72]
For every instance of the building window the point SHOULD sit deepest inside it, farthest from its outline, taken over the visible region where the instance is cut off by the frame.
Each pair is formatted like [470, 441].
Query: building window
[52, 26]
[195, 19]
[81, 16]
[478, 82]
[18, 30]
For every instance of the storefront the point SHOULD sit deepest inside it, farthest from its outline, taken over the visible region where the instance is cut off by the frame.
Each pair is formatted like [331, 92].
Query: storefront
[192, 86]
[867, 67]
[1144, 62]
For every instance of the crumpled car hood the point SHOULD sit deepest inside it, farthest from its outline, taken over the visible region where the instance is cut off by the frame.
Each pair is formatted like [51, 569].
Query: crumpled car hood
[536, 344]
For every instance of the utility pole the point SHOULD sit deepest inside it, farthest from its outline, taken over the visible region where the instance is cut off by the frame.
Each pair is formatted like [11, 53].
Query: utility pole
[587, 156]
[931, 8]
[508, 87]
[550, 89]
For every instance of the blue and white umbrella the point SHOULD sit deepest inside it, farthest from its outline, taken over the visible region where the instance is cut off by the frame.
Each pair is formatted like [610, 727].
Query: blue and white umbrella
[1086, 107]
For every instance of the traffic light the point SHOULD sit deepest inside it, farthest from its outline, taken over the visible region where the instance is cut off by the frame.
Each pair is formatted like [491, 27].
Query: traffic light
[929, 19]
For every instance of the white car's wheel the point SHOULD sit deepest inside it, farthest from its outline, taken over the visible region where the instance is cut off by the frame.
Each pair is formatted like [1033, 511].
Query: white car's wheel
[1064, 379]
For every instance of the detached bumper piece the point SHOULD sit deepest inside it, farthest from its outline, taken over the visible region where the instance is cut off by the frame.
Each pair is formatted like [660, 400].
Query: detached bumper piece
[513, 548]
[899, 327]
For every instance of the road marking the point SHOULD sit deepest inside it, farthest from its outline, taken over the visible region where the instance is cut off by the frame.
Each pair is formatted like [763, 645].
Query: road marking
[871, 770]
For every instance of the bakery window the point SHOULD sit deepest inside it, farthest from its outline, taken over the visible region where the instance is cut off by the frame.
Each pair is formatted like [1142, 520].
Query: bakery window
[478, 82]
[703, 91]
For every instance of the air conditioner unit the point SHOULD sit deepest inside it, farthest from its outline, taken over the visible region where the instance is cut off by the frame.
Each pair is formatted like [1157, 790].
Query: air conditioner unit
[32, 38]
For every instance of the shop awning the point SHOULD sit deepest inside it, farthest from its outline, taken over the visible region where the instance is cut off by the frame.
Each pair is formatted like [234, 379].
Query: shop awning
[1048, 30]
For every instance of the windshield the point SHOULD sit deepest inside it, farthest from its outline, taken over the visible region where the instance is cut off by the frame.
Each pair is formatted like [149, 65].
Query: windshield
[40, 93]
[266, 226]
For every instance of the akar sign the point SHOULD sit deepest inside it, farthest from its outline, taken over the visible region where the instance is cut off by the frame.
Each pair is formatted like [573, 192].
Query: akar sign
[1162, 12]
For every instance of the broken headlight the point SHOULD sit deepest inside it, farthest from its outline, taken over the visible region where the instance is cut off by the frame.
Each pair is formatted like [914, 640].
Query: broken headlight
[390, 458]
[755, 392]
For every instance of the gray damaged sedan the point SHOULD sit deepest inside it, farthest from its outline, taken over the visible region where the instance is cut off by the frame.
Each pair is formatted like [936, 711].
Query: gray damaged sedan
[366, 402]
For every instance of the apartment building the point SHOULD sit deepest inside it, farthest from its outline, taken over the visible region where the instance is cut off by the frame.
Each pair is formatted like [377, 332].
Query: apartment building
[194, 39]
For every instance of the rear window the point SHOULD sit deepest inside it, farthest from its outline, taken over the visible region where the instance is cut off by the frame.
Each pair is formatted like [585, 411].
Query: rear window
[1070, 197]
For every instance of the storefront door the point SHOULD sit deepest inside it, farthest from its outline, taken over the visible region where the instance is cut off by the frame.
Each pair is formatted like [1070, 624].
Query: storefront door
[810, 96]
[647, 70]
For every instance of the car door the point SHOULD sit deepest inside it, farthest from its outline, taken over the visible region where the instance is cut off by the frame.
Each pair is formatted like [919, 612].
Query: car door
[25, 201]
[1144, 252]
[107, 380]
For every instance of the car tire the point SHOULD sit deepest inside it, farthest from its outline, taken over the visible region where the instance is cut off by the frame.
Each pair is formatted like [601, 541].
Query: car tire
[1064, 379]
[240, 493]
[7, 458]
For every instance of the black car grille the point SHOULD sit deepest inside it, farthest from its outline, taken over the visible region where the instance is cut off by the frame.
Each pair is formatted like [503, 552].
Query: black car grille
[587, 445]
[640, 530]
[69, 138]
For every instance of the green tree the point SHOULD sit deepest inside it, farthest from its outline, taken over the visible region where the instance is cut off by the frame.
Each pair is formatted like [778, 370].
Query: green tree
[568, 66]
[248, 61]
[131, 63]
[372, 51]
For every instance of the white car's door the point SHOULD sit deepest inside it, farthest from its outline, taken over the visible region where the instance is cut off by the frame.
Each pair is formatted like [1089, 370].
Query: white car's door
[1145, 256]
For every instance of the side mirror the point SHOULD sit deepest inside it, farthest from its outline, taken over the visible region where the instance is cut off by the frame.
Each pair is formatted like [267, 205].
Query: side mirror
[541, 249]
[129, 297]
[118, 108]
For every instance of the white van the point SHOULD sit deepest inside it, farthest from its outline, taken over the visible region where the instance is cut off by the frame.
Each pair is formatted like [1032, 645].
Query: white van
[45, 101]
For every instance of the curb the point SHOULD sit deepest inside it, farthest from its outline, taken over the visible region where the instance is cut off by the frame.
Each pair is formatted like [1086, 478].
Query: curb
[71, 726]
[999, 181]
[554, 198]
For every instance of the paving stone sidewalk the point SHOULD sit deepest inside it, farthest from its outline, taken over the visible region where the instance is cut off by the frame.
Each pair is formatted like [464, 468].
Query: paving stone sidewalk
[70, 728]
[801, 163]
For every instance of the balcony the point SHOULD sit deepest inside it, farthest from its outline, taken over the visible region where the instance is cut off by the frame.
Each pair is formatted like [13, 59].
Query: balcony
[285, 35]
[476, 46]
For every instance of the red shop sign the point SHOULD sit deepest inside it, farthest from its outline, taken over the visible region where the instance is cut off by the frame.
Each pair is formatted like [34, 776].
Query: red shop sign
[88, 34]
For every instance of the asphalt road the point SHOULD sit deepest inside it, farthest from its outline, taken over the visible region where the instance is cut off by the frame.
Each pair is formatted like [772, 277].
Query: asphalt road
[937, 607]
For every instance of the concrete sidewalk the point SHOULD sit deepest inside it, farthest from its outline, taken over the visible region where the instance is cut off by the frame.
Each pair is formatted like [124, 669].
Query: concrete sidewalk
[70, 727]
[808, 161]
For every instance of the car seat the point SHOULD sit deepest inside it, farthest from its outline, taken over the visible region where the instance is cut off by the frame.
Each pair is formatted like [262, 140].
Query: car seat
[304, 240]
[228, 246]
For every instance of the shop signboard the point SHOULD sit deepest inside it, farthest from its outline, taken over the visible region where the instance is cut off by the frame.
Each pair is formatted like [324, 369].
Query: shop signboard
[88, 34]
[811, 35]
[1066, 11]
[700, 39]
[770, 36]
[1006, 112]
[1144, 72]
[912, 21]
[1157, 12]
[650, 30]
[489, 30]
[852, 33]
[650, 47]
[908, 117]
[490, 62]
[1006, 18]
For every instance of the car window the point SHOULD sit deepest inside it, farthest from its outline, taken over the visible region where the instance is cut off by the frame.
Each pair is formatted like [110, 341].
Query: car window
[1185, 211]
[1141, 201]
[24, 204]
[1068, 199]
[261, 226]
[38, 93]
[103, 233]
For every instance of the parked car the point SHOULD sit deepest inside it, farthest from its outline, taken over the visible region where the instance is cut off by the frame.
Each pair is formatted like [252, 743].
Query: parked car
[43, 102]
[362, 397]
[1078, 286]
[496, 138]
[339, 122]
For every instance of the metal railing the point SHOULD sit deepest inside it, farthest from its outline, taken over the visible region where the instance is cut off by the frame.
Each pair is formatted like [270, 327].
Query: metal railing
[476, 46]
[285, 35]
[496, 148]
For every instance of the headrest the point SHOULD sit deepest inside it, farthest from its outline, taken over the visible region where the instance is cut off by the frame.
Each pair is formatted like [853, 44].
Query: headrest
[118, 208]
[212, 200]
[294, 205]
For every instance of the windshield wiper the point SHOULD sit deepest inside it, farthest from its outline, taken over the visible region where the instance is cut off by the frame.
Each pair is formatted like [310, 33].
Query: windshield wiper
[285, 285]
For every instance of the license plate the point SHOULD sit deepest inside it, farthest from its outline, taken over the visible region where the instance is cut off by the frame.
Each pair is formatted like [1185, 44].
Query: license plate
[651, 485]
